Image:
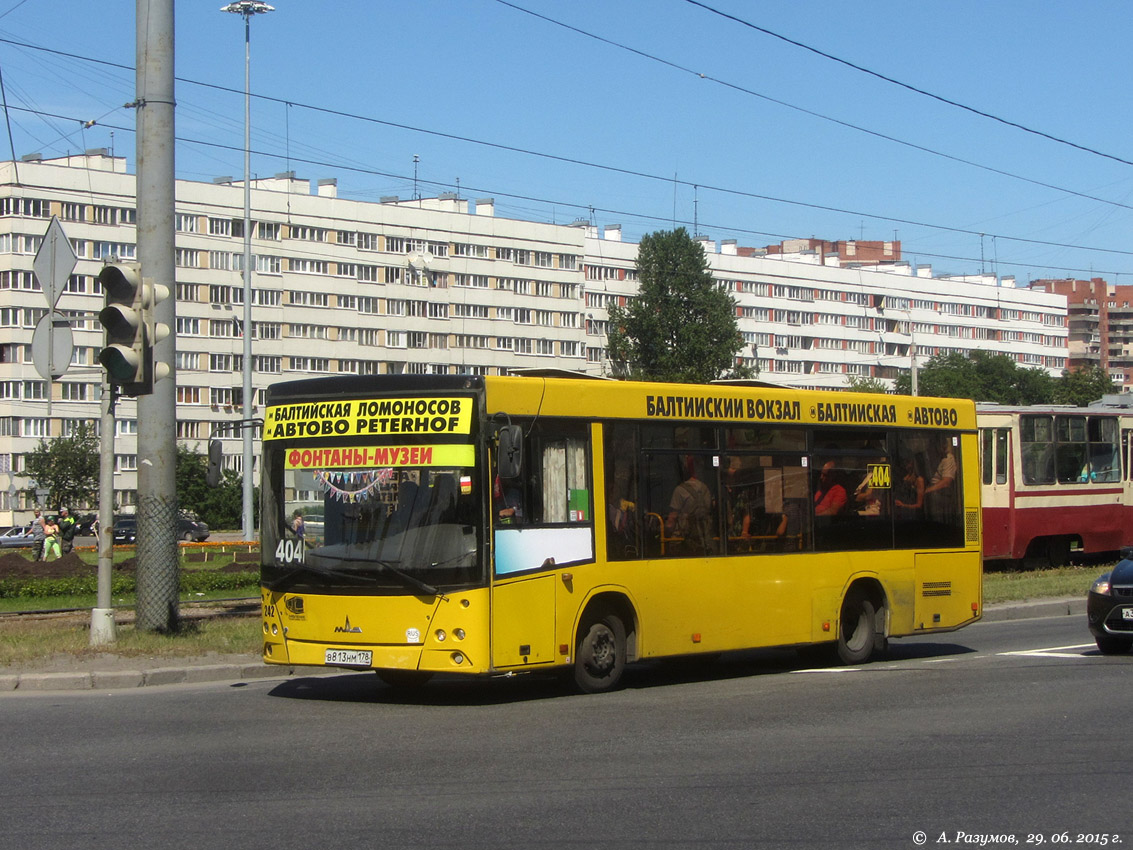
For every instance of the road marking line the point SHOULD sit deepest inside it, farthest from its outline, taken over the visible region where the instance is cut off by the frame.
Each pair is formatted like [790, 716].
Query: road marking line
[1053, 651]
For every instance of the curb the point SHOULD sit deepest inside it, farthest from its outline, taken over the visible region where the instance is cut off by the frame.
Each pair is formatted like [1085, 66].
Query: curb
[123, 679]
[198, 674]
[1069, 607]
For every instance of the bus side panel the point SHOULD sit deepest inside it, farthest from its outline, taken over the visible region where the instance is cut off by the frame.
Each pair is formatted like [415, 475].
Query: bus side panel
[949, 590]
[523, 622]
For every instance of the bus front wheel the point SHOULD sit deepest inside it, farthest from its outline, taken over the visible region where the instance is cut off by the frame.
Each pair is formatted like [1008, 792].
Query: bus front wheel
[857, 629]
[600, 657]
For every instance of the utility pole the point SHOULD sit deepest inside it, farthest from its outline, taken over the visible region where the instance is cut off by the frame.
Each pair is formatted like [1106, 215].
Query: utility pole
[158, 563]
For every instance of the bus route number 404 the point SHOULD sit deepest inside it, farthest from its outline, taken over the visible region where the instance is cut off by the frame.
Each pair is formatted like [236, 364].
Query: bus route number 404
[289, 552]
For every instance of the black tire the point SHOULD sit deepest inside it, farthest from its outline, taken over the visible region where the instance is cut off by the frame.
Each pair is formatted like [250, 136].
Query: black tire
[857, 629]
[1110, 645]
[600, 656]
[404, 679]
[188, 537]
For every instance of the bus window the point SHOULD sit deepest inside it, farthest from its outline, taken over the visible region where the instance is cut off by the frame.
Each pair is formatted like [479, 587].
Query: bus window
[680, 504]
[928, 507]
[623, 520]
[764, 501]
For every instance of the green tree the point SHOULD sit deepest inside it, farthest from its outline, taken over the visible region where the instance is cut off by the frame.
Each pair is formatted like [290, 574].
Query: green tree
[859, 384]
[980, 376]
[1083, 386]
[218, 507]
[681, 326]
[67, 467]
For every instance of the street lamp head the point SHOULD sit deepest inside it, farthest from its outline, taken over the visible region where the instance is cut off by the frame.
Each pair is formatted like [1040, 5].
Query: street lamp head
[247, 7]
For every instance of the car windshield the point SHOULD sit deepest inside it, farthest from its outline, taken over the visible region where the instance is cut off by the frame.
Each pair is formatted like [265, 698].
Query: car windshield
[390, 530]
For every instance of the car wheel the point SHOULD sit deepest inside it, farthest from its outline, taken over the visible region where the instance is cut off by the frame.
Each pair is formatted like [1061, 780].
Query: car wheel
[1110, 645]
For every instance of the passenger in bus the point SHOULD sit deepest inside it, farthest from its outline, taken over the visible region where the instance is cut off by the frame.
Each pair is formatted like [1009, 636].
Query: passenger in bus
[867, 499]
[442, 501]
[508, 499]
[940, 494]
[946, 469]
[830, 495]
[909, 498]
[690, 511]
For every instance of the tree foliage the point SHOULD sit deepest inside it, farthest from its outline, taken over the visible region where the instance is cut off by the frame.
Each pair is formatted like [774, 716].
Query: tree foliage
[218, 507]
[980, 376]
[1083, 386]
[859, 384]
[681, 326]
[67, 467]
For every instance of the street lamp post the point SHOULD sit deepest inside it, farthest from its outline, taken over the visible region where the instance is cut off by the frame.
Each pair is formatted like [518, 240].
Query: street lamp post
[247, 8]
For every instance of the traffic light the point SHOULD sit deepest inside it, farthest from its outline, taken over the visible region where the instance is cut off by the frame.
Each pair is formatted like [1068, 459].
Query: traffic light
[131, 330]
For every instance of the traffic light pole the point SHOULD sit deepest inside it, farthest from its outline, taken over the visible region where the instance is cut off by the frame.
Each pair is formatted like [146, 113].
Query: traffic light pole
[158, 563]
[102, 627]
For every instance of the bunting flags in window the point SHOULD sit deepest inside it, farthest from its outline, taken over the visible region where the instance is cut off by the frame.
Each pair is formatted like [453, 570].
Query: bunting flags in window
[354, 486]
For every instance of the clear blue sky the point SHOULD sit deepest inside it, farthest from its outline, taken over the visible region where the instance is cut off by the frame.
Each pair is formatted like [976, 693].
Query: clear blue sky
[697, 100]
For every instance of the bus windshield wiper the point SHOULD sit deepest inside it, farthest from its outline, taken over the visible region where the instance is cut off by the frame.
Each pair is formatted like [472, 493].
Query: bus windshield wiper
[387, 566]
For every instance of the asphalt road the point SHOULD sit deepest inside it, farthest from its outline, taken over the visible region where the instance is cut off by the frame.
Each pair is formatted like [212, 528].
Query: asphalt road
[1004, 729]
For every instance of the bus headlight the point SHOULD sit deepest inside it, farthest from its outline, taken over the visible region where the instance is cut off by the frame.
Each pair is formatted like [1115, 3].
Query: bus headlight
[440, 634]
[458, 634]
[457, 658]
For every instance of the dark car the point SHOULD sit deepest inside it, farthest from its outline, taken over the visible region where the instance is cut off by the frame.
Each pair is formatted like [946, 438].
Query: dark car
[189, 528]
[1109, 607]
[84, 525]
[126, 529]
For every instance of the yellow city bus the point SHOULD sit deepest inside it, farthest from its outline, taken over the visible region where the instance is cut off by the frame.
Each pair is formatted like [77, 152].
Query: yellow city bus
[416, 525]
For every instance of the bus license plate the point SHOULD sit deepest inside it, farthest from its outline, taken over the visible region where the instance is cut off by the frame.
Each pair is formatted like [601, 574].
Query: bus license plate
[1127, 613]
[349, 657]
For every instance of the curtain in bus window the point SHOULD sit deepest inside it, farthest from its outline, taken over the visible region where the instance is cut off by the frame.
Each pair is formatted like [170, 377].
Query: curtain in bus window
[1001, 437]
[1036, 436]
[1071, 457]
[565, 495]
[1105, 461]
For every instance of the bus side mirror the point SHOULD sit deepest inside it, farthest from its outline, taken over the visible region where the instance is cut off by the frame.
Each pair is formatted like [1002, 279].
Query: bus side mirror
[509, 459]
[216, 456]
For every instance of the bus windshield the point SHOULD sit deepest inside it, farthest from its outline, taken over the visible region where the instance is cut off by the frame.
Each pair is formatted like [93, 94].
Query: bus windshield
[329, 526]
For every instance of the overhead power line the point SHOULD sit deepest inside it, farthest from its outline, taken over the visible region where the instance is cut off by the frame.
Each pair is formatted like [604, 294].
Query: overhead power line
[991, 117]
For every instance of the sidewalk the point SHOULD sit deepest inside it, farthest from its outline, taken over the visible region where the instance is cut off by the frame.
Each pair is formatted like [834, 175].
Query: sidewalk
[110, 672]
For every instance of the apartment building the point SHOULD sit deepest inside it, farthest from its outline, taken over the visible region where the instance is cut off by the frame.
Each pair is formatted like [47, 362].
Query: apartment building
[431, 286]
[1099, 325]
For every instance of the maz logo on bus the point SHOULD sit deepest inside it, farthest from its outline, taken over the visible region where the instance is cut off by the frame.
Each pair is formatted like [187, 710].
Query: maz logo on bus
[290, 552]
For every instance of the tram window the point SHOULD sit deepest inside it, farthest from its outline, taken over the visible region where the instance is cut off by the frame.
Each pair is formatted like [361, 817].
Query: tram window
[1105, 462]
[1071, 457]
[1001, 456]
[1036, 436]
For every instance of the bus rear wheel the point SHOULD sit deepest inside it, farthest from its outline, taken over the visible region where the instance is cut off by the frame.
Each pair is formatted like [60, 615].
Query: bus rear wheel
[857, 629]
[600, 657]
